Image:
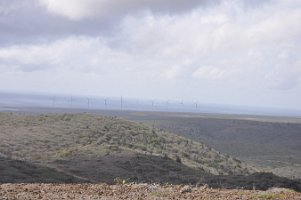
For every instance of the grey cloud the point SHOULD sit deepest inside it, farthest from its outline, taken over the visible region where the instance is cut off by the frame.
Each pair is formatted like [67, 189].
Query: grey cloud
[27, 21]
[78, 10]
[24, 21]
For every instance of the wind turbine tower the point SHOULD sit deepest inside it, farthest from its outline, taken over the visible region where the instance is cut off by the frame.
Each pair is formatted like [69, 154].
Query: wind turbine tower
[53, 101]
[105, 101]
[88, 102]
[71, 101]
[121, 103]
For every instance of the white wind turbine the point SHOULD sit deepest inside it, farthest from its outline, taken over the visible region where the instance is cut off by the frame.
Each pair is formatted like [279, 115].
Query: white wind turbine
[88, 102]
[106, 102]
[71, 101]
[167, 104]
[121, 103]
[53, 101]
[153, 105]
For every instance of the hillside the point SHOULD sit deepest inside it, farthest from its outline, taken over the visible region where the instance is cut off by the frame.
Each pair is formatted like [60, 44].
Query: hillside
[97, 149]
[55, 139]
[18, 171]
[269, 143]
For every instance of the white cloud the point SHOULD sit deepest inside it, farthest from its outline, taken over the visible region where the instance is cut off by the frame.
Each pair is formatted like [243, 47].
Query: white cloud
[284, 76]
[174, 72]
[74, 53]
[209, 73]
[245, 44]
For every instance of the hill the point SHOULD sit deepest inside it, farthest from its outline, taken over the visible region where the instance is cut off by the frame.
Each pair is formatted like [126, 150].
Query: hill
[268, 143]
[17, 171]
[70, 139]
[94, 148]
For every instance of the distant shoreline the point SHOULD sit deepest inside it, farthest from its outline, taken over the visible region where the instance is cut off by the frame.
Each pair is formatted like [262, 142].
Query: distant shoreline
[125, 113]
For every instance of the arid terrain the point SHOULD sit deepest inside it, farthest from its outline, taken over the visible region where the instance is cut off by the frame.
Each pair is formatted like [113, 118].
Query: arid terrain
[265, 142]
[135, 191]
[89, 156]
[78, 143]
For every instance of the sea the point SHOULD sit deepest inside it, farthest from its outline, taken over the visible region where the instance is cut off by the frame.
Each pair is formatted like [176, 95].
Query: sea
[10, 101]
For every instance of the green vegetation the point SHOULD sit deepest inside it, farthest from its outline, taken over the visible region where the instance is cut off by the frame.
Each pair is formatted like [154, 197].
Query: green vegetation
[120, 181]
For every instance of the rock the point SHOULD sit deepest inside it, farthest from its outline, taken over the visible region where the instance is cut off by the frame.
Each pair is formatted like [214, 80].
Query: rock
[186, 189]
[153, 187]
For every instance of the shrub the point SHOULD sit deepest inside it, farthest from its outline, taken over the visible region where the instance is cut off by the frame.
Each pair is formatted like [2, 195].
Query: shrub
[66, 153]
[178, 159]
[120, 181]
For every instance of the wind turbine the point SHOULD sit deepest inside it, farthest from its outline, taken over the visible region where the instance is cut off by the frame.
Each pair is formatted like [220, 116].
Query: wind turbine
[167, 104]
[105, 102]
[153, 104]
[182, 109]
[88, 102]
[182, 103]
[121, 103]
[53, 101]
[71, 101]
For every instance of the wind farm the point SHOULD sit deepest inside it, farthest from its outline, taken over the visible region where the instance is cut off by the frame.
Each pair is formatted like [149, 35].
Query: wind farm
[140, 99]
[19, 100]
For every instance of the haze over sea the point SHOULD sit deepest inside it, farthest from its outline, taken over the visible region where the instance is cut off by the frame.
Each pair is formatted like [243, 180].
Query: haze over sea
[19, 101]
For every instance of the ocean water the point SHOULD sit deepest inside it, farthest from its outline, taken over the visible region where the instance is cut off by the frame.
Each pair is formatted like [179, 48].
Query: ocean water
[17, 101]
[14, 101]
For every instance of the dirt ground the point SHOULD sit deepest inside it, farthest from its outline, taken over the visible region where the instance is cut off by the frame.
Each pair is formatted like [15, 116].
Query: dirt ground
[134, 191]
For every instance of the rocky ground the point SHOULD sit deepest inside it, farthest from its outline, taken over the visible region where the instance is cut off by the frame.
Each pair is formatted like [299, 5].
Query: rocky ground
[135, 191]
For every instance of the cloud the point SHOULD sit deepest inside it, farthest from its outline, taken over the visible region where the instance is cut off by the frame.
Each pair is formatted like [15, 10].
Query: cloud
[77, 9]
[284, 75]
[226, 47]
[208, 72]
[73, 53]
[246, 48]
[26, 21]
[174, 72]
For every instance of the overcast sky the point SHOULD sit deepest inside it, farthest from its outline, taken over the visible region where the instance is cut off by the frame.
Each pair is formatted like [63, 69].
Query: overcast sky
[224, 52]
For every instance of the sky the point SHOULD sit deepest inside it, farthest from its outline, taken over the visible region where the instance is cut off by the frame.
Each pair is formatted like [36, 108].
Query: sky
[231, 52]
